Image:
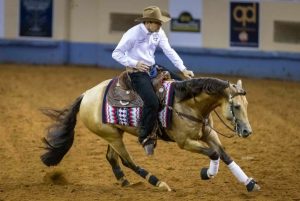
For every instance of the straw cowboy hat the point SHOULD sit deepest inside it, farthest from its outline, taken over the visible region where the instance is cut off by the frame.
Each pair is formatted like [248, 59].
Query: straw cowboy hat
[153, 13]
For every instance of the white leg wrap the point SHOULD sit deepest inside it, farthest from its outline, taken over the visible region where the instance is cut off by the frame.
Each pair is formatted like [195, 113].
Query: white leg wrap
[238, 173]
[213, 168]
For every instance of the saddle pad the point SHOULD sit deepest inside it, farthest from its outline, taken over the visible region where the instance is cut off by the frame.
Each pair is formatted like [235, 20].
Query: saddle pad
[130, 116]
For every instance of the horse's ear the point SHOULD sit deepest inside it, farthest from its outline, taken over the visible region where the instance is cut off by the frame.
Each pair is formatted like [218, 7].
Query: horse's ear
[239, 83]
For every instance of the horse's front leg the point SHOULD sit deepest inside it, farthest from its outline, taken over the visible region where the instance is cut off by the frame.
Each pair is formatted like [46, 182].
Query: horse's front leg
[210, 151]
[235, 169]
[196, 147]
[213, 141]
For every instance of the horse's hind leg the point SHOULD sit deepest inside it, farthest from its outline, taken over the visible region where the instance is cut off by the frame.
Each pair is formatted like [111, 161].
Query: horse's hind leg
[120, 148]
[112, 158]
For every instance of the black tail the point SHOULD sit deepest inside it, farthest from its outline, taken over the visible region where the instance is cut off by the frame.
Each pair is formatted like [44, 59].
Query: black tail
[60, 135]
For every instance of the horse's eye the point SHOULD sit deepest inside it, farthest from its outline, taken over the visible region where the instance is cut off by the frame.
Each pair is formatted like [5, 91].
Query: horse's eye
[237, 107]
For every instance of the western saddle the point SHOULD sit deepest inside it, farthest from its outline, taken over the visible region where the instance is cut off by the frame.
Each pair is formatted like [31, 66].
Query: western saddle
[121, 93]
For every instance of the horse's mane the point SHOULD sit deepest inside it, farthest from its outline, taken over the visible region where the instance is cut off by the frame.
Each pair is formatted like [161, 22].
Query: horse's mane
[189, 88]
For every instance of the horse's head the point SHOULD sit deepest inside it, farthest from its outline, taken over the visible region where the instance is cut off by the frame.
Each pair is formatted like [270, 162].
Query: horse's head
[231, 97]
[235, 109]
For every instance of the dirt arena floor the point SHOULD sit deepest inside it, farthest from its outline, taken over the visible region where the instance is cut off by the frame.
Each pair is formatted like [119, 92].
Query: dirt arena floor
[271, 155]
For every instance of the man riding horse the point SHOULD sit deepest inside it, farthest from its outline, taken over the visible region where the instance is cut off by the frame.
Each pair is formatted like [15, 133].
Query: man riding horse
[136, 52]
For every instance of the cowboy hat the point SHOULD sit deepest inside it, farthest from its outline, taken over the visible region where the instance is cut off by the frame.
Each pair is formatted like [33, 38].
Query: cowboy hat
[153, 13]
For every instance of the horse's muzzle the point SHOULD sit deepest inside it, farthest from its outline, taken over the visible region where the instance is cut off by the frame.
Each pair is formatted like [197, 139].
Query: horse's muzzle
[246, 133]
[243, 130]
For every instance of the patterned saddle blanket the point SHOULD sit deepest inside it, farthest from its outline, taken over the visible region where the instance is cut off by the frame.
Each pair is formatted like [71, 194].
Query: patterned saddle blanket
[130, 115]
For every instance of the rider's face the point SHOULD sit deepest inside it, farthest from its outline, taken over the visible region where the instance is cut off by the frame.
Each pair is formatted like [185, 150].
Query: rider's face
[153, 26]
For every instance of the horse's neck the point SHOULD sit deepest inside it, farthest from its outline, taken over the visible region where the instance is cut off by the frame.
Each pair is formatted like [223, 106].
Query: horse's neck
[199, 106]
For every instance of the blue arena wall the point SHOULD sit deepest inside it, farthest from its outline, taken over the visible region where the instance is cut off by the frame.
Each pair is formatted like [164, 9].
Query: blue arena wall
[249, 63]
[33, 52]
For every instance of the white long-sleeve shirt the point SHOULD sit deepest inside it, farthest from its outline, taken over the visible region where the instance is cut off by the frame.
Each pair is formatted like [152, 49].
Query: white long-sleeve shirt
[138, 44]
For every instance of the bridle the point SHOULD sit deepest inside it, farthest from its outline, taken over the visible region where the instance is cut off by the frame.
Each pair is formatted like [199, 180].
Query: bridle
[234, 119]
[205, 120]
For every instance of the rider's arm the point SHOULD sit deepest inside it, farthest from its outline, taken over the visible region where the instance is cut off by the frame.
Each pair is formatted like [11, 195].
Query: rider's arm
[170, 52]
[120, 53]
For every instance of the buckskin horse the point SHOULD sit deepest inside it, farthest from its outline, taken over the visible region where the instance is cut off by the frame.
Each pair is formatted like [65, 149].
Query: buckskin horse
[191, 125]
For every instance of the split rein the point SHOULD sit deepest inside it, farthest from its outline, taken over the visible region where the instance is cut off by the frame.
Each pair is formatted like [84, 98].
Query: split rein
[230, 136]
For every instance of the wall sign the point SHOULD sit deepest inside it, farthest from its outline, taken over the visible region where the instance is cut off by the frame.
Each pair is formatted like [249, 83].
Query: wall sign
[36, 18]
[244, 24]
[185, 23]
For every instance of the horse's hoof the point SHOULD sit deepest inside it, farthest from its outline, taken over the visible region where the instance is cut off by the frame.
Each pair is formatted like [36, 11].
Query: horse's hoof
[164, 185]
[125, 183]
[203, 174]
[252, 186]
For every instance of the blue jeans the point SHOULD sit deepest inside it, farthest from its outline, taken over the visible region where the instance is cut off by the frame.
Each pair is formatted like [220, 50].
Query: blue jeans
[142, 85]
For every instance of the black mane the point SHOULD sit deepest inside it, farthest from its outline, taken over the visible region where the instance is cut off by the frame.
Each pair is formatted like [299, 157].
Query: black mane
[189, 88]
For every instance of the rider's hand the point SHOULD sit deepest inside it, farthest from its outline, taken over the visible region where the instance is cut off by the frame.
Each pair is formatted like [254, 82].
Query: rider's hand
[188, 74]
[140, 66]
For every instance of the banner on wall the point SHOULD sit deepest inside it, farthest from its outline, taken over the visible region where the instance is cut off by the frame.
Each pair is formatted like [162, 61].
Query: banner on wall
[244, 24]
[36, 18]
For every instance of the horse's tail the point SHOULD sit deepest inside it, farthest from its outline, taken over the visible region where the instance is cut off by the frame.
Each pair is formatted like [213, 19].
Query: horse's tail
[60, 134]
